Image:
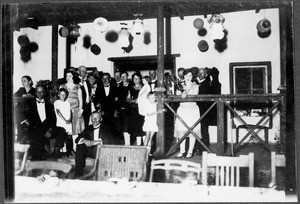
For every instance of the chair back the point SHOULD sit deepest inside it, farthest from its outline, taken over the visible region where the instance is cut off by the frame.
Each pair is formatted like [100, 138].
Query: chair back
[47, 165]
[173, 164]
[276, 161]
[119, 161]
[227, 168]
[21, 148]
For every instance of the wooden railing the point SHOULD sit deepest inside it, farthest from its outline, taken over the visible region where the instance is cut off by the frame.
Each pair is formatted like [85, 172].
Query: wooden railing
[223, 101]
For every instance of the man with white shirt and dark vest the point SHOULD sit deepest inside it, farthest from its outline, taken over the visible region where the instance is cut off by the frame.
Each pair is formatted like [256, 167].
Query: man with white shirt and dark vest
[96, 134]
[86, 93]
[153, 80]
[39, 119]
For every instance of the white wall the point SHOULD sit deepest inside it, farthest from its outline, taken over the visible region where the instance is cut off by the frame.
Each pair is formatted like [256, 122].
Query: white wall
[244, 45]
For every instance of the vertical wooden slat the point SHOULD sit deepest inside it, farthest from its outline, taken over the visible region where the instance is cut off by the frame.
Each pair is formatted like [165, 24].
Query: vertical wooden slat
[251, 169]
[222, 175]
[237, 176]
[227, 175]
[220, 128]
[160, 140]
[232, 176]
[204, 168]
[54, 51]
[273, 168]
[217, 176]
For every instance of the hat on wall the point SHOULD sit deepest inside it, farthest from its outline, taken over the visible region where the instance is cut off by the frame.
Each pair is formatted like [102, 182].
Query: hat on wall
[203, 46]
[101, 24]
[23, 40]
[95, 49]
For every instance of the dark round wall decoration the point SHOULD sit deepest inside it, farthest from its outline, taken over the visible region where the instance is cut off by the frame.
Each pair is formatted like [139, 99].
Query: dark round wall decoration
[221, 45]
[87, 41]
[147, 38]
[202, 32]
[33, 46]
[95, 49]
[23, 40]
[111, 36]
[203, 46]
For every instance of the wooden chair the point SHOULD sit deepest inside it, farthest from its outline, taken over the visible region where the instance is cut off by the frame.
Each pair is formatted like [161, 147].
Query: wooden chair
[276, 161]
[119, 161]
[47, 165]
[173, 164]
[23, 149]
[227, 168]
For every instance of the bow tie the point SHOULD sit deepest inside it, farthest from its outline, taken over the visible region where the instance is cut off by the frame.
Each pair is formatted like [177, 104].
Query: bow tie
[40, 101]
[106, 85]
[94, 128]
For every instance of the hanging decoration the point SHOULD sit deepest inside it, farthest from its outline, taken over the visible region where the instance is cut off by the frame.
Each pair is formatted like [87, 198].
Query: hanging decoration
[198, 23]
[203, 46]
[87, 41]
[147, 38]
[221, 44]
[202, 32]
[95, 49]
[111, 36]
[138, 25]
[27, 47]
[64, 32]
[75, 30]
[216, 22]
[101, 24]
[124, 36]
[263, 28]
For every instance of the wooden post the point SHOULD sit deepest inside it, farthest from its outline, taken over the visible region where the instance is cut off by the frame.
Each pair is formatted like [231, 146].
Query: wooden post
[160, 140]
[54, 51]
[220, 128]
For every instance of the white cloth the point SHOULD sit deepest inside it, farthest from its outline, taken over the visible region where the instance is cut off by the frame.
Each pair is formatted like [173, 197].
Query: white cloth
[142, 98]
[65, 109]
[150, 123]
[96, 133]
[41, 110]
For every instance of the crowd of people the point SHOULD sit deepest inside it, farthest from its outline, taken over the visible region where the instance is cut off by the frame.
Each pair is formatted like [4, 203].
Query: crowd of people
[94, 108]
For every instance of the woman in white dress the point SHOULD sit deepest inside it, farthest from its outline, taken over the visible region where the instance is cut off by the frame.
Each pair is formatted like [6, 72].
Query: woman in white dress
[189, 112]
[63, 111]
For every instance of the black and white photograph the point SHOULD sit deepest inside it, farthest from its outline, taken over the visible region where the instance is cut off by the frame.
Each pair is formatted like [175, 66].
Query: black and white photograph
[149, 101]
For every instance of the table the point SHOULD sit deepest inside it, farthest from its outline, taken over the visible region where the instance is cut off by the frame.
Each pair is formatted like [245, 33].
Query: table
[30, 190]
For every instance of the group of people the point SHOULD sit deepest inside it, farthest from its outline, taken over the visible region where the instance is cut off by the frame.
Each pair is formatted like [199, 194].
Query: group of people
[96, 108]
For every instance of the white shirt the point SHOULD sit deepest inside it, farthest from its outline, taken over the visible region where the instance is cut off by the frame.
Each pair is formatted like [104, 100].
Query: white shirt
[41, 110]
[106, 90]
[96, 132]
[84, 84]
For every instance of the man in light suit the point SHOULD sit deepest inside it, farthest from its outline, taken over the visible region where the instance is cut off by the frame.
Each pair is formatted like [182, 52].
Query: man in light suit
[87, 141]
[86, 90]
[39, 119]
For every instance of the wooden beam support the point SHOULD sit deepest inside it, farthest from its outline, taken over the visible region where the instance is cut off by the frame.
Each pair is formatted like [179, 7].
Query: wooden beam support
[220, 128]
[160, 137]
[54, 51]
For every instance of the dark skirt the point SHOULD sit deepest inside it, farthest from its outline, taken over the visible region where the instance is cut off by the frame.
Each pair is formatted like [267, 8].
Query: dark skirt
[136, 122]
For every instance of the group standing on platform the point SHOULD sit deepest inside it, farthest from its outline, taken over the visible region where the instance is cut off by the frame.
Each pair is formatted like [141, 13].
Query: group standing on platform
[124, 109]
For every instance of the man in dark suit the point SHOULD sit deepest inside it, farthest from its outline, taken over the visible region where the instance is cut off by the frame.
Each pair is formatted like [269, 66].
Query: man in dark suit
[153, 79]
[39, 119]
[87, 141]
[203, 81]
[86, 93]
[106, 100]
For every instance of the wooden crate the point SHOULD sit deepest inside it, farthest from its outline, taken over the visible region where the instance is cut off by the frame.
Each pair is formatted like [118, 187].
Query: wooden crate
[118, 161]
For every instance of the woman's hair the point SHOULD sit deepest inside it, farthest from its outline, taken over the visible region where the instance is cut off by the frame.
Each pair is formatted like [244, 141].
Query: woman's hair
[150, 94]
[63, 90]
[138, 75]
[76, 79]
[124, 72]
[29, 79]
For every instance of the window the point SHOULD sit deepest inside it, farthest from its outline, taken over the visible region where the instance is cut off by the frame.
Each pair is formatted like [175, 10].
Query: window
[250, 78]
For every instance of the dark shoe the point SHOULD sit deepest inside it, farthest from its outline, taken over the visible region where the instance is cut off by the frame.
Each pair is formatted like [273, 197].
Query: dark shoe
[179, 155]
[189, 155]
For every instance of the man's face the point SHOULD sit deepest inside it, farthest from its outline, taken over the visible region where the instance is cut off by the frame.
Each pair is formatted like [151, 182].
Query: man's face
[82, 72]
[96, 119]
[152, 74]
[202, 73]
[118, 76]
[105, 79]
[180, 74]
[40, 92]
[124, 77]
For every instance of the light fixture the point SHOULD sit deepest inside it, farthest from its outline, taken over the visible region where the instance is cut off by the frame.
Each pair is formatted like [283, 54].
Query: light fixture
[124, 36]
[216, 22]
[138, 26]
[74, 30]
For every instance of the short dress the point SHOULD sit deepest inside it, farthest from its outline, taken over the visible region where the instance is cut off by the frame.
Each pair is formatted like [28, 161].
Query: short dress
[65, 109]
[189, 112]
[77, 123]
[150, 123]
